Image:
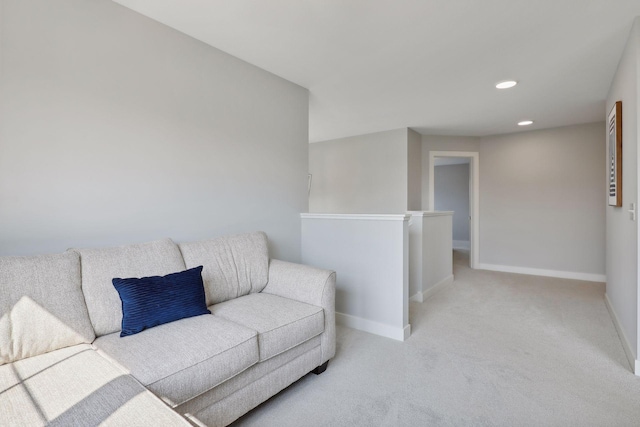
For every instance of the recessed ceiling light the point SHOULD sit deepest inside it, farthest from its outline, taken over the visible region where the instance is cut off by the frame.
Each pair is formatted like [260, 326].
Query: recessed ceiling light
[525, 123]
[506, 84]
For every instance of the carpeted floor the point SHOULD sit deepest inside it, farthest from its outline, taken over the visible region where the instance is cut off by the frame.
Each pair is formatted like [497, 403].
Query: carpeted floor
[492, 349]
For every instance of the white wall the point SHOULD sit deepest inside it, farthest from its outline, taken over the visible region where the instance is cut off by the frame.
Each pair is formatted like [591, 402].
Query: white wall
[437, 251]
[542, 199]
[414, 163]
[416, 255]
[451, 193]
[360, 174]
[370, 255]
[117, 129]
[430, 253]
[622, 233]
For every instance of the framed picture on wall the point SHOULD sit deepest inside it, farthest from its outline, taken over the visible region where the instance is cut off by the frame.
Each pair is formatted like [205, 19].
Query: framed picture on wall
[614, 150]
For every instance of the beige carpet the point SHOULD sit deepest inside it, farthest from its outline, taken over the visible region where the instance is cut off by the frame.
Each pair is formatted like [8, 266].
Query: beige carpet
[492, 349]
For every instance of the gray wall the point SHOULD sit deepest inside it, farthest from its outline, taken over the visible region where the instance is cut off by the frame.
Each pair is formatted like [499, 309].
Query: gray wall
[541, 196]
[360, 174]
[414, 163]
[622, 233]
[542, 199]
[451, 193]
[117, 129]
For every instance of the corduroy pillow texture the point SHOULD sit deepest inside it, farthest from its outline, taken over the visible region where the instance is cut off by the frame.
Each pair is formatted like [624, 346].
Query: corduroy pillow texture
[155, 300]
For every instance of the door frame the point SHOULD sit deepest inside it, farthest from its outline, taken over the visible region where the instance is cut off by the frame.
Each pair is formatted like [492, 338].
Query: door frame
[474, 190]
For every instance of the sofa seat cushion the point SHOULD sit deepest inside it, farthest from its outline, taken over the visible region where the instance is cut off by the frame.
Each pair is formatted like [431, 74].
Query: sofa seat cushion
[75, 386]
[180, 360]
[281, 323]
[253, 374]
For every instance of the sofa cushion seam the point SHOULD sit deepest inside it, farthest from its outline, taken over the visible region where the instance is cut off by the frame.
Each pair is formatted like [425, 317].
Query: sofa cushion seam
[205, 360]
[217, 384]
[262, 376]
[294, 346]
[292, 322]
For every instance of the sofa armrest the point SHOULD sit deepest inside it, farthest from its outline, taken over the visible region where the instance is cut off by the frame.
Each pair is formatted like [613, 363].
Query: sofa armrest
[310, 285]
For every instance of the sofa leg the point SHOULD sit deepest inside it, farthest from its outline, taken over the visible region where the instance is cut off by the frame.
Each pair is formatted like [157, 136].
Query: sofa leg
[320, 369]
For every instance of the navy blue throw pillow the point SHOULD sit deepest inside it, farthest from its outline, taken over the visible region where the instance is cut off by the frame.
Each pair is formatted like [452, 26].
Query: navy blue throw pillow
[155, 300]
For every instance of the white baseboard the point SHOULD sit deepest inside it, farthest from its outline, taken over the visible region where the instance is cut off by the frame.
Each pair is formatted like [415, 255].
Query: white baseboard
[418, 297]
[461, 244]
[373, 327]
[628, 351]
[588, 277]
[406, 331]
[422, 296]
[437, 287]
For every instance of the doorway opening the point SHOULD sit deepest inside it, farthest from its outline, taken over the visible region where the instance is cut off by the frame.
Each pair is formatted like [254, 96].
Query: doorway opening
[454, 186]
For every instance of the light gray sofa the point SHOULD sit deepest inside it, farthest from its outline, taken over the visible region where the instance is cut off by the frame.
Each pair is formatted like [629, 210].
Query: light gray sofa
[63, 362]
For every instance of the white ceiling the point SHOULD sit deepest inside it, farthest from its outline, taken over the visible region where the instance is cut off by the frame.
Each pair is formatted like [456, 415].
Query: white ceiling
[373, 65]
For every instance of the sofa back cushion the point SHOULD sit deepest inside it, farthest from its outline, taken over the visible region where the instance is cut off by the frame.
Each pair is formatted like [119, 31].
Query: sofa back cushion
[101, 266]
[233, 265]
[41, 305]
